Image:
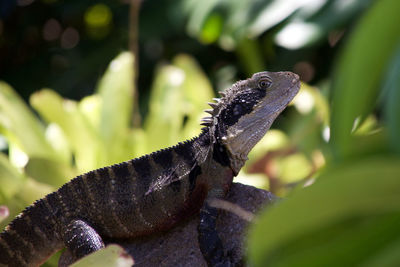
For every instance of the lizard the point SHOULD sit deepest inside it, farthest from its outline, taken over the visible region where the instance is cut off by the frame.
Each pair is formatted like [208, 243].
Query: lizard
[154, 192]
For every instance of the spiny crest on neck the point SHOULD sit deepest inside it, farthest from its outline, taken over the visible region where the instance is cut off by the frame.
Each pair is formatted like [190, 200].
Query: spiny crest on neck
[227, 97]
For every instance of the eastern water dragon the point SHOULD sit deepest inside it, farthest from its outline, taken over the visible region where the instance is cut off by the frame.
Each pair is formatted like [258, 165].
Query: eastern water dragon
[153, 193]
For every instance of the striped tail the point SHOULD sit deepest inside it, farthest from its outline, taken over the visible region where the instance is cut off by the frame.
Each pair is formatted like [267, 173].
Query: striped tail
[31, 237]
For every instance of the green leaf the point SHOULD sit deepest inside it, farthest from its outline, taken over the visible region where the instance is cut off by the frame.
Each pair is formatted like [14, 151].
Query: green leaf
[349, 215]
[164, 121]
[20, 125]
[392, 108]
[81, 136]
[178, 98]
[360, 70]
[197, 91]
[49, 171]
[111, 256]
[212, 29]
[117, 97]
[10, 179]
[29, 191]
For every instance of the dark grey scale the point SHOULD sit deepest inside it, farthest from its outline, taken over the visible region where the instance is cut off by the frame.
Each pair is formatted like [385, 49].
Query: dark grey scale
[70, 208]
[88, 184]
[104, 192]
[124, 206]
[144, 181]
[124, 185]
[186, 153]
[164, 159]
[193, 175]
[41, 214]
[204, 138]
[220, 155]
[54, 208]
[24, 232]
[176, 186]
[101, 186]
[144, 178]
[97, 184]
[4, 251]
[80, 189]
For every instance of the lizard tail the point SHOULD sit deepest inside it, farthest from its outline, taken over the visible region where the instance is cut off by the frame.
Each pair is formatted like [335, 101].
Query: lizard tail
[30, 238]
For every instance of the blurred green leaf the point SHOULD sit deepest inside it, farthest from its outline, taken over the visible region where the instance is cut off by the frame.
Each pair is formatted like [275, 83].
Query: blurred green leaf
[10, 179]
[212, 29]
[392, 100]
[294, 167]
[81, 136]
[197, 91]
[29, 191]
[360, 70]
[178, 96]
[90, 106]
[20, 124]
[250, 54]
[117, 95]
[316, 20]
[166, 109]
[56, 173]
[111, 256]
[349, 215]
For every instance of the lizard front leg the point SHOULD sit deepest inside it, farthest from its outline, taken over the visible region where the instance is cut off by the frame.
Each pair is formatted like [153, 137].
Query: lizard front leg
[209, 241]
[81, 239]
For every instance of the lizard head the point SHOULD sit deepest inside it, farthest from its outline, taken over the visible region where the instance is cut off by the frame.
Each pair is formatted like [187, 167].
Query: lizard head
[245, 112]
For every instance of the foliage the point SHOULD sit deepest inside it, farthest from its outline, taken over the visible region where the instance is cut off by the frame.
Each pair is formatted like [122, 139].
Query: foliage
[112, 255]
[350, 215]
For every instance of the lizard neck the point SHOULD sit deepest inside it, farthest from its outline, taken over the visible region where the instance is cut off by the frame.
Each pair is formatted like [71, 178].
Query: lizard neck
[217, 169]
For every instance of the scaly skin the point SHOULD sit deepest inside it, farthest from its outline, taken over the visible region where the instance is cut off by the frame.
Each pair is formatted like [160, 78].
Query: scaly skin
[154, 192]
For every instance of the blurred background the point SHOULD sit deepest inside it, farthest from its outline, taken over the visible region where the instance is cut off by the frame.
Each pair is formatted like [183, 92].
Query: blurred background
[86, 84]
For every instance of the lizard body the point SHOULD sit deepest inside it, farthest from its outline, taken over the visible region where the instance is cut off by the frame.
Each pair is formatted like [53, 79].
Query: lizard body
[156, 191]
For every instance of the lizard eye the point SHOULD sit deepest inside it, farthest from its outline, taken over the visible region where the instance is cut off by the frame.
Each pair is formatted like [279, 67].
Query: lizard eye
[264, 83]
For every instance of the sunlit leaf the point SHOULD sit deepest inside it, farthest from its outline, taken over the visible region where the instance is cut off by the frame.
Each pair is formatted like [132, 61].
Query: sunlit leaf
[273, 140]
[166, 108]
[10, 179]
[20, 124]
[294, 168]
[49, 171]
[197, 91]
[29, 191]
[111, 256]
[81, 136]
[117, 97]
